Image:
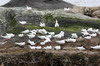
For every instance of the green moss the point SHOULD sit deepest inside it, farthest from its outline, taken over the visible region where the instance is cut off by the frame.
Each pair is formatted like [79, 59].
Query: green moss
[75, 28]
[10, 17]
[48, 17]
[16, 30]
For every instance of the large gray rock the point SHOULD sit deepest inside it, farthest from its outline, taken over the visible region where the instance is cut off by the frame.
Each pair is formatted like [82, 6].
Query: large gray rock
[40, 4]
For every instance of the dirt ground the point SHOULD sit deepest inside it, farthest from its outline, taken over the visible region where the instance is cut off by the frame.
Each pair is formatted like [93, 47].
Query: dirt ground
[11, 48]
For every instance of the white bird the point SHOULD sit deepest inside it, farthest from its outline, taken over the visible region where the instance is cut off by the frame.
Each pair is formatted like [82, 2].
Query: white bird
[42, 43]
[42, 37]
[46, 41]
[95, 30]
[28, 8]
[31, 35]
[31, 42]
[33, 32]
[60, 35]
[23, 22]
[20, 44]
[74, 35]
[32, 47]
[20, 35]
[80, 48]
[42, 31]
[48, 47]
[85, 33]
[25, 31]
[93, 35]
[66, 9]
[84, 30]
[6, 37]
[96, 47]
[61, 42]
[90, 29]
[57, 47]
[11, 34]
[38, 47]
[56, 24]
[70, 40]
[42, 24]
[49, 36]
[51, 33]
[57, 36]
[87, 37]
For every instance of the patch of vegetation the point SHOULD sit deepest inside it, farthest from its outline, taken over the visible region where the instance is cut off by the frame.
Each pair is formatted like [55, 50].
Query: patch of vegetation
[70, 21]
[16, 30]
[75, 28]
[10, 17]
[48, 17]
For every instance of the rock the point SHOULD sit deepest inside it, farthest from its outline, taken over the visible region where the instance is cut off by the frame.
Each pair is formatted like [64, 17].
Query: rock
[80, 39]
[89, 11]
[39, 4]
[32, 19]
[96, 13]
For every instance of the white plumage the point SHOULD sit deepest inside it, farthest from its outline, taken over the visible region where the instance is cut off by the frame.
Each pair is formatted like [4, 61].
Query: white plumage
[32, 47]
[20, 44]
[85, 33]
[61, 42]
[42, 24]
[66, 9]
[28, 8]
[25, 31]
[56, 24]
[93, 35]
[38, 47]
[60, 35]
[49, 36]
[96, 47]
[46, 41]
[8, 36]
[71, 40]
[84, 30]
[57, 47]
[42, 37]
[23, 22]
[87, 37]
[31, 35]
[31, 42]
[42, 43]
[51, 33]
[74, 35]
[42, 31]
[48, 47]
[80, 48]
[20, 35]
[90, 29]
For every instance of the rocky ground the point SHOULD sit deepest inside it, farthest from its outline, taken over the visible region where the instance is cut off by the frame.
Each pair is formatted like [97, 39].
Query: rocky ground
[14, 55]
